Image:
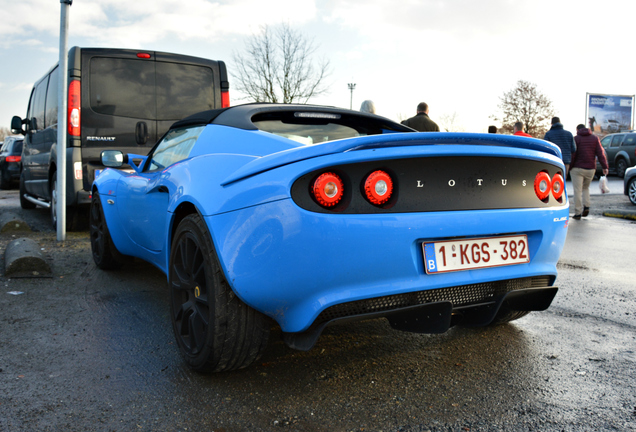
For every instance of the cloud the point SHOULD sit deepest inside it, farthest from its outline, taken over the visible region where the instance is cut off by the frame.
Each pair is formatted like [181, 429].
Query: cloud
[136, 23]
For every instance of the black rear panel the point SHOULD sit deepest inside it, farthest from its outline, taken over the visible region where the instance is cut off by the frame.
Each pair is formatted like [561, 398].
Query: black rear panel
[436, 184]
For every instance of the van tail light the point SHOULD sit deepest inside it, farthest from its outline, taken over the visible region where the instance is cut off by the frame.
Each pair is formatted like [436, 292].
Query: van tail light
[328, 189]
[378, 187]
[557, 186]
[542, 185]
[13, 158]
[143, 55]
[225, 98]
[74, 108]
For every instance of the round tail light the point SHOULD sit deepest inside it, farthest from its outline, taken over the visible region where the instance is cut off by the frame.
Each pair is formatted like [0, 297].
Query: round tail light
[542, 185]
[378, 187]
[328, 189]
[557, 186]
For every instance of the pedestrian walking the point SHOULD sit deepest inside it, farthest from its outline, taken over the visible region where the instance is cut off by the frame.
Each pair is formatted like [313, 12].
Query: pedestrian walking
[367, 107]
[583, 168]
[564, 140]
[421, 122]
[518, 130]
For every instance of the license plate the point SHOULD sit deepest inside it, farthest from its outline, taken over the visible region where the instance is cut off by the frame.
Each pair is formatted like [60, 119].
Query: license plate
[476, 253]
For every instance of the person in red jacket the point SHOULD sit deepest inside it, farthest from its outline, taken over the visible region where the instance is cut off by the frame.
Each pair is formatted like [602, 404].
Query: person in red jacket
[518, 127]
[583, 168]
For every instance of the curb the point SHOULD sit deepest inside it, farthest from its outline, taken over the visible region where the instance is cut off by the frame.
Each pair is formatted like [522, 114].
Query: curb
[624, 214]
[11, 223]
[22, 258]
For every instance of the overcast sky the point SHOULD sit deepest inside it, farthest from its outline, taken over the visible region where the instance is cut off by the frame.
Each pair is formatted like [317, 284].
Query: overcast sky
[459, 56]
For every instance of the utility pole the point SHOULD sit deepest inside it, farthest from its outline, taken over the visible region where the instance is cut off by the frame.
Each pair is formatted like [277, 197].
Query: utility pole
[62, 101]
[352, 87]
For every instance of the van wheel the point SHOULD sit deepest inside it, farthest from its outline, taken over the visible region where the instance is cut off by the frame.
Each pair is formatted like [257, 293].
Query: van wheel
[24, 203]
[70, 211]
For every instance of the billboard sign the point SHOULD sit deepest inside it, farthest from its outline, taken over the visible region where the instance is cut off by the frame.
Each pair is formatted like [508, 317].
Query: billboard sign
[609, 113]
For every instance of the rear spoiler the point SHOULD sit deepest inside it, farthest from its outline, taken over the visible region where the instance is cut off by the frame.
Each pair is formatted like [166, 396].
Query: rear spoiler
[298, 154]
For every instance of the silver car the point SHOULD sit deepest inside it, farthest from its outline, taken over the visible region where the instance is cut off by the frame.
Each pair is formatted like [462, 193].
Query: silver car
[630, 184]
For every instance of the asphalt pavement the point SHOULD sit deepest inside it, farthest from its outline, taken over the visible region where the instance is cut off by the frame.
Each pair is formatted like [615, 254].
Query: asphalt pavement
[87, 350]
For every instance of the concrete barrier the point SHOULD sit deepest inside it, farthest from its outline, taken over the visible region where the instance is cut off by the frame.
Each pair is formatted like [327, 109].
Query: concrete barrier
[12, 223]
[22, 258]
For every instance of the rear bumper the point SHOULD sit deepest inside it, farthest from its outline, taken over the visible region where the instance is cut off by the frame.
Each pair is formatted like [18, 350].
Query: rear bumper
[435, 311]
[294, 265]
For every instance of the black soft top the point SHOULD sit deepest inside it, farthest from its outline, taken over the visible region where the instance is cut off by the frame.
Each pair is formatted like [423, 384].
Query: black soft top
[241, 116]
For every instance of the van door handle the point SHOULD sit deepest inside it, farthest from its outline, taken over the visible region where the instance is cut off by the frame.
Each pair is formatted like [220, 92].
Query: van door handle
[141, 133]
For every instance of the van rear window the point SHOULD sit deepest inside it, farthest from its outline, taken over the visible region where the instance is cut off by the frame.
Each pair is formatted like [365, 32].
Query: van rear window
[123, 87]
[183, 90]
[149, 90]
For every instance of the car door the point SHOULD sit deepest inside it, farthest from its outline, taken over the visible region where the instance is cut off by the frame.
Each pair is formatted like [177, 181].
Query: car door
[613, 149]
[36, 164]
[144, 198]
[629, 146]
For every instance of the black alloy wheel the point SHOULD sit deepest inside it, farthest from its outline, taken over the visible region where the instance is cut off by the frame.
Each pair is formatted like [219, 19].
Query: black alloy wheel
[104, 252]
[214, 329]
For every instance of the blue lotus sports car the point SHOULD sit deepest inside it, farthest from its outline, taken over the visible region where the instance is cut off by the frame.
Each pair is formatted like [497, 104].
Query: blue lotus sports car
[306, 215]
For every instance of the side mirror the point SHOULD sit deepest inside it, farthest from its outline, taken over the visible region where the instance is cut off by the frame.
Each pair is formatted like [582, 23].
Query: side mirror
[16, 125]
[113, 158]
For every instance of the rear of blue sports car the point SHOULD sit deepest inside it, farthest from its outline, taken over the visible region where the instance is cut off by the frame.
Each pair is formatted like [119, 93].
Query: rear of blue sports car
[326, 220]
[429, 235]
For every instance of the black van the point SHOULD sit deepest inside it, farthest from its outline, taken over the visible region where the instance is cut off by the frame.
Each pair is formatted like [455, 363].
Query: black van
[117, 99]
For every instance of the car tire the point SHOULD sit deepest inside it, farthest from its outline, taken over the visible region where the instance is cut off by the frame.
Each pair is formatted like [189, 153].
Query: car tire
[214, 329]
[506, 315]
[621, 167]
[24, 203]
[105, 253]
[631, 190]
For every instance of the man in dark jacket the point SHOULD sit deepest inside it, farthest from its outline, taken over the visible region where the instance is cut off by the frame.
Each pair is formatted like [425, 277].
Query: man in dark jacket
[421, 122]
[563, 139]
[588, 148]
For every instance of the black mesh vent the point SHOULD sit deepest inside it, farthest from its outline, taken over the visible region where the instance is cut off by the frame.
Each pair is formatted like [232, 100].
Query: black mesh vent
[459, 296]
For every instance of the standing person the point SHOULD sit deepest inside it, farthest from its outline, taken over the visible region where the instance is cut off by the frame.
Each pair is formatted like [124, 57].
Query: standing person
[583, 168]
[367, 107]
[492, 129]
[421, 122]
[519, 130]
[564, 140]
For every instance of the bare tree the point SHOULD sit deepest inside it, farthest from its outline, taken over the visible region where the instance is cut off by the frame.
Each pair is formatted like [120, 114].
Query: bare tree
[528, 105]
[450, 123]
[277, 66]
[4, 132]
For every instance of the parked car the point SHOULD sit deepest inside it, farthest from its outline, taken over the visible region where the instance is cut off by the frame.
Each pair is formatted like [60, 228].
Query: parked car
[117, 99]
[620, 150]
[10, 157]
[309, 215]
[630, 184]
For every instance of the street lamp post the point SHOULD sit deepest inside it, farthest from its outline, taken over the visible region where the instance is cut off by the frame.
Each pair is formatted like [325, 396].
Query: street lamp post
[60, 209]
[352, 87]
